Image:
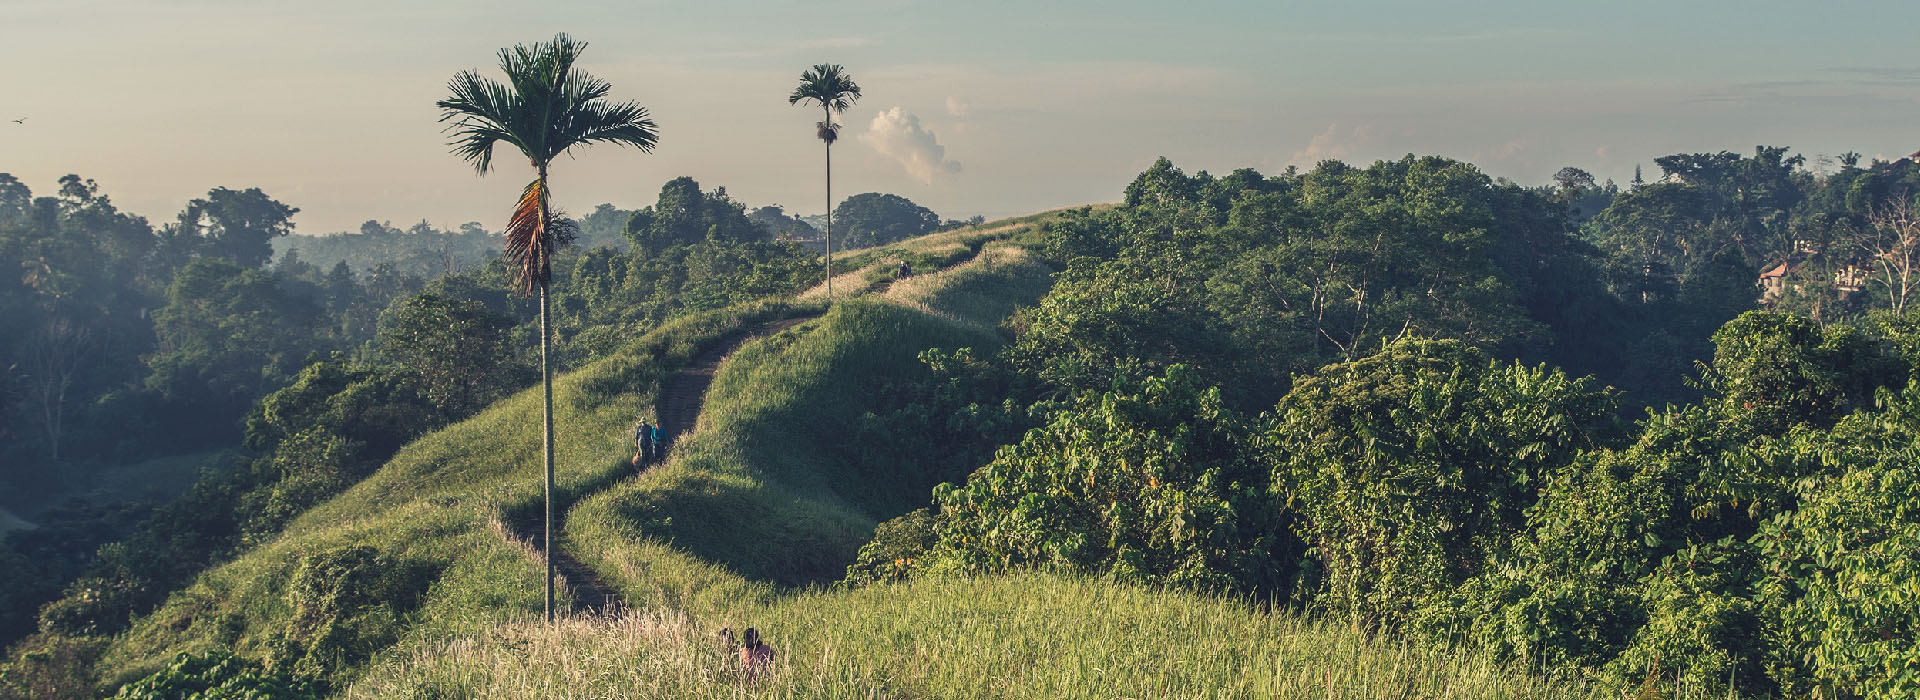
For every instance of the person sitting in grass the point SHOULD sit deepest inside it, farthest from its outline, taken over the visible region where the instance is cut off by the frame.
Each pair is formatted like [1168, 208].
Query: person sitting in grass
[756, 656]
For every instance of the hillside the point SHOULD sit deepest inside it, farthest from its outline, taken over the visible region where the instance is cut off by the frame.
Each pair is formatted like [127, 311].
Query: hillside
[766, 495]
[433, 517]
[771, 492]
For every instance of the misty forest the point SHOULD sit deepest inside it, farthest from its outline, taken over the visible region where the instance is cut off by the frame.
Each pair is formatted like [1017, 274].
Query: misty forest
[1392, 429]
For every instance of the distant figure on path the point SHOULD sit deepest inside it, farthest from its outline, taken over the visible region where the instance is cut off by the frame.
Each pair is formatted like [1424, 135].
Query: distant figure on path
[659, 444]
[906, 270]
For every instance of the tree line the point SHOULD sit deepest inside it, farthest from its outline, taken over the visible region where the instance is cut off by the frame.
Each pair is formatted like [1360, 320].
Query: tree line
[1458, 409]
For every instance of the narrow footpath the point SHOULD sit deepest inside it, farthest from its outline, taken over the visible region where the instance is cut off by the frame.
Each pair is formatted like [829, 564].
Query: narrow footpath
[681, 398]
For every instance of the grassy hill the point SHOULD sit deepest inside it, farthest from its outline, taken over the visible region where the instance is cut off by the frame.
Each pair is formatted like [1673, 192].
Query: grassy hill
[434, 512]
[771, 495]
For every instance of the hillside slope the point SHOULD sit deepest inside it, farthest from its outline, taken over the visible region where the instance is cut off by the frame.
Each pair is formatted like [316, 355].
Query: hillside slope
[768, 492]
[426, 530]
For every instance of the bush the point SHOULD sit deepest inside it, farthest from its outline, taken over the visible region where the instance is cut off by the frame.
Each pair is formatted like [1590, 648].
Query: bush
[1152, 482]
[348, 602]
[1842, 585]
[897, 549]
[1411, 468]
[50, 666]
[217, 675]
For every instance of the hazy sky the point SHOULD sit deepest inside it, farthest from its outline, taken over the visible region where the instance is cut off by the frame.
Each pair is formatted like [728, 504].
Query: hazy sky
[971, 107]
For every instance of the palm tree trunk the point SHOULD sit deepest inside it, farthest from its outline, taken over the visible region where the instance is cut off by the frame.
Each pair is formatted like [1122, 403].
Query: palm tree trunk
[829, 222]
[829, 127]
[546, 381]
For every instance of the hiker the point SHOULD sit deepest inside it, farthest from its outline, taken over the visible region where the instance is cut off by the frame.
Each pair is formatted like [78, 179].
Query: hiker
[642, 443]
[906, 270]
[756, 657]
[659, 444]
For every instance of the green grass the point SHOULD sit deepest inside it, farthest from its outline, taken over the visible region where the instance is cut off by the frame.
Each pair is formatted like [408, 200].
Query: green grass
[438, 503]
[773, 489]
[759, 495]
[764, 495]
[1015, 636]
[766, 499]
[435, 503]
[866, 267]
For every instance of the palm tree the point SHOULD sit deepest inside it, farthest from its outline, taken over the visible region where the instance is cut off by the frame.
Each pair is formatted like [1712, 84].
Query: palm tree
[831, 87]
[547, 108]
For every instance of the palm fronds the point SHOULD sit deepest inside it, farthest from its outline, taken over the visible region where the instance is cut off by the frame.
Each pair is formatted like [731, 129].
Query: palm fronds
[828, 85]
[545, 108]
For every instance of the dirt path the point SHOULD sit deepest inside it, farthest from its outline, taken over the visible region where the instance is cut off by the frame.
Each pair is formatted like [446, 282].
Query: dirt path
[683, 394]
[681, 398]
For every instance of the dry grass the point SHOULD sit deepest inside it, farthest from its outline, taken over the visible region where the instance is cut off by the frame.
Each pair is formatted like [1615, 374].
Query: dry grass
[1019, 636]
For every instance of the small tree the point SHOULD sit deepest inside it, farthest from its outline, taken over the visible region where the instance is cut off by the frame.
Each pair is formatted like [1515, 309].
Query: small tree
[1890, 244]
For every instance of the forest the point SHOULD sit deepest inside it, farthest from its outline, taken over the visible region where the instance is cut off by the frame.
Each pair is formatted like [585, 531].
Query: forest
[1656, 436]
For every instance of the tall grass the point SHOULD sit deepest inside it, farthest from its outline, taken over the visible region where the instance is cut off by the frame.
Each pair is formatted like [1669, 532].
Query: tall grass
[1018, 636]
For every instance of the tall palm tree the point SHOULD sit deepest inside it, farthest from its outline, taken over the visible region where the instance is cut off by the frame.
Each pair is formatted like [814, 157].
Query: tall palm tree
[831, 87]
[547, 108]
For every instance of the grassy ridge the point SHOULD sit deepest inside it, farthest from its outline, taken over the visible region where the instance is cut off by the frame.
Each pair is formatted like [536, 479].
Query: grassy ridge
[774, 486]
[694, 546]
[434, 504]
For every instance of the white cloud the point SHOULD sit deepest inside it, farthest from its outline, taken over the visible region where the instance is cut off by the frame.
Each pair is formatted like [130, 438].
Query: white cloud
[898, 135]
[957, 107]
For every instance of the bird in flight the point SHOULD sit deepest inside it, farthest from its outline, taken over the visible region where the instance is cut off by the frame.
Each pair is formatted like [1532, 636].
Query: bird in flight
[21, 120]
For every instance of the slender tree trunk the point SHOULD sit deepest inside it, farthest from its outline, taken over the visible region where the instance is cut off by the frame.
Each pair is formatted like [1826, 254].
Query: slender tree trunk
[829, 222]
[546, 381]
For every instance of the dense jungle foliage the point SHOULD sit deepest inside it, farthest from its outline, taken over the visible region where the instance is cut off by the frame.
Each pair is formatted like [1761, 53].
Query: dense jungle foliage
[1410, 396]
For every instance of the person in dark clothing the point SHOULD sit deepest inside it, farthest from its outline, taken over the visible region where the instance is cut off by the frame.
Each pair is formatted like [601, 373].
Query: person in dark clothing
[643, 443]
[906, 270]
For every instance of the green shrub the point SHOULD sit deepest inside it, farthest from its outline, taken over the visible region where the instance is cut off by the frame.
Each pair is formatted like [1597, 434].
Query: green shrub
[347, 603]
[217, 675]
[50, 666]
[1842, 587]
[1151, 482]
[898, 548]
[1412, 467]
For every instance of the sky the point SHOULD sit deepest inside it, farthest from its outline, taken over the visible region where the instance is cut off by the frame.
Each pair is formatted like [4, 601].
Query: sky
[978, 107]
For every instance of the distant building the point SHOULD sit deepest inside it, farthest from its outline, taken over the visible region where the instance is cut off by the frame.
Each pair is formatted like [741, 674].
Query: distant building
[1777, 280]
[1773, 283]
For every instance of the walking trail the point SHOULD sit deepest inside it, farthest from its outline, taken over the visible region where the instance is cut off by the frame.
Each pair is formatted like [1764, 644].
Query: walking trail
[681, 398]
